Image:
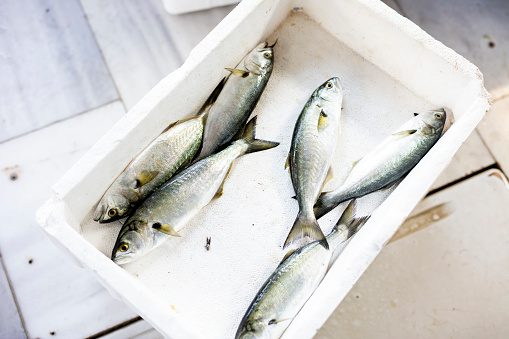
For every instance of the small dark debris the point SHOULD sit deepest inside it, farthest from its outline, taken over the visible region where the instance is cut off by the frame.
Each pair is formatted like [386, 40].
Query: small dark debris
[207, 245]
[491, 44]
[13, 176]
[356, 297]
[52, 333]
[298, 9]
[47, 10]
[30, 261]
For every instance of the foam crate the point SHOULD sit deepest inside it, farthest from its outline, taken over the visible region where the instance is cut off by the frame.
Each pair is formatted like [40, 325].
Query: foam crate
[180, 6]
[389, 68]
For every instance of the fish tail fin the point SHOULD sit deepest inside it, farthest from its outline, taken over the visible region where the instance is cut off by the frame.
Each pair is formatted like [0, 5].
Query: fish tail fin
[305, 228]
[326, 202]
[255, 145]
[349, 224]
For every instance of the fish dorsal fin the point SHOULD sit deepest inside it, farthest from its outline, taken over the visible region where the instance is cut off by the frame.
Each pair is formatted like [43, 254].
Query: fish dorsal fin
[323, 120]
[171, 125]
[145, 177]
[238, 72]
[220, 190]
[288, 254]
[211, 100]
[165, 228]
[405, 133]
[179, 122]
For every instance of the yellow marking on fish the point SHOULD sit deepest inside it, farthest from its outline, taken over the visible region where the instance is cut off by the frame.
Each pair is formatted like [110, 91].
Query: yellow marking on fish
[323, 120]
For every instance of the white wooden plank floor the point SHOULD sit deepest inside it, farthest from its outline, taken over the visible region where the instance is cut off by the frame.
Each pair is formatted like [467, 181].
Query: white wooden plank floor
[50, 65]
[447, 278]
[73, 57]
[142, 44]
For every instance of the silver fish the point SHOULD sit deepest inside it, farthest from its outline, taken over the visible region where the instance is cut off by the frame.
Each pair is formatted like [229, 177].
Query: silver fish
[314, 139]
[238, 98]
[169, 208]
[171, 150]
[293, 282]
[387, 162]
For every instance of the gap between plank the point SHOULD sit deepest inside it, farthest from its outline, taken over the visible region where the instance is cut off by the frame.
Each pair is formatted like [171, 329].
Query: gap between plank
[115, 328]
[466, 177]
[13, 296]
[102, 55]
[62, 120]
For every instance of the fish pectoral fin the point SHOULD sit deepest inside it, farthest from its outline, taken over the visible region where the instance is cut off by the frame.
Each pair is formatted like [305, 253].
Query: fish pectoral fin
[144, 177]
[167, 229]
[405, 133]
[323, 120]
[238, 72]
[276, 321]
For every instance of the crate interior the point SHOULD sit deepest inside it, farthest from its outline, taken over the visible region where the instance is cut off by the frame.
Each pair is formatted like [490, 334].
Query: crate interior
[250, 222]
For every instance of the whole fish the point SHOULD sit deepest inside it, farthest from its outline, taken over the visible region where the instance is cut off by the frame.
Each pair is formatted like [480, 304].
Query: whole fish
[169, 208]
[387, 162]
[313, 142]
[170, 151]
[238, 98]
[293, 282]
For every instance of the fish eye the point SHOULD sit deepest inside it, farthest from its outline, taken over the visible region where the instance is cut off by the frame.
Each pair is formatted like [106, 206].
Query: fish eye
[438, 116]
[112, 212]
[123, 247]
[329, 85]
[266, 55]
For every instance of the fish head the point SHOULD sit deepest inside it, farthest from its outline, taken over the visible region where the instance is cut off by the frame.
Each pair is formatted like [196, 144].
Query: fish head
[112, 207]
[330, 90]
[253, 329]
[432, 122]
[130, 245]
[260, 60]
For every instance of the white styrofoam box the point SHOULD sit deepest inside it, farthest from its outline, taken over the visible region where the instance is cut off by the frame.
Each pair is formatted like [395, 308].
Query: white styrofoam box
[181, 6]
[389, 69]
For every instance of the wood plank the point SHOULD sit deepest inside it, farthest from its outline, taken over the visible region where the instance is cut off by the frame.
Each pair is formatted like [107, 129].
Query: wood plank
[494, 131]
[142, 43]
[446, 278]
[54, 295]
[477, 30]
[10, 321]
[50, 65]
[139, 330]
